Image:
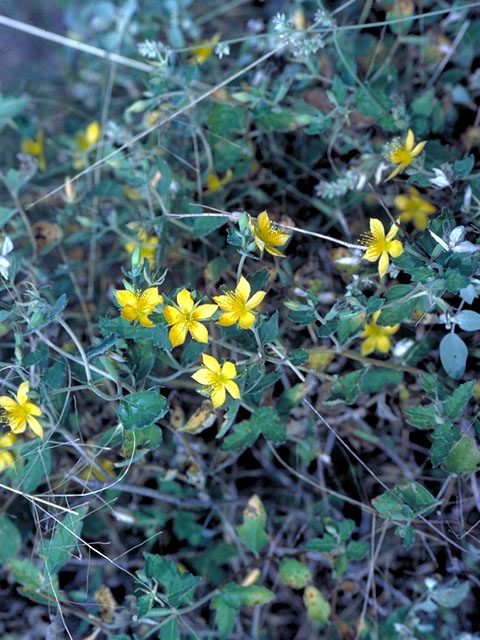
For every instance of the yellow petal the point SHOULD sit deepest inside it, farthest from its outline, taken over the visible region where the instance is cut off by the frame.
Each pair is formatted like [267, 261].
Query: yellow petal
[8, 403]
[392, 232]
[401, 202]
[22, 392]
[383, 264]
[18, 426]
[198, 331]
[184, 301]
[129, 313]
[395, 248]
[92, 133]
[273, 251]
[232, 388]
[373, 252]
[376, 315]
[368, 346]
[409, 140]
[229, 318]
[420, 220]
[35, 426]
[395, 172]
[225, 302]
[246, 320]
[418, 148]
[383, 344]
[204, 311]
[204, 376]
[243, 289]
[389, 331]
[263, 222]
[172, 315]
[177, 334]
[229, 370]
[145, 321]
[211, 363]
[125, 297]
[256, 299]
[7, 440]
[6, 459]
[377, 229]
[32, 409]
[218, 397]
[151, 297]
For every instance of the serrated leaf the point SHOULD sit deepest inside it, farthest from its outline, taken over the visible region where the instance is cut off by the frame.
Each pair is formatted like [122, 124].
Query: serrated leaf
[141, 409]
[453, 355]
[346, 388]
[243, 436]
[268, 329]
[251, 596]
[322, 545]
[377, 378]
[421, 417]
[457, 402]
[103, 346]
[445, 435]
[127, 331]
[224, 616]
[265, 420]
[179, 586]
[357, 550]
[169, 630]
[64, 541]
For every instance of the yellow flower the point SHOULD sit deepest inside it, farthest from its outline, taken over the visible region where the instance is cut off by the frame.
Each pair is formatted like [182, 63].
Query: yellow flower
[376, 337]
[414, 207]
[35, 148]
[19, 412]
[6, 457]
[84, 140]
[379, 246]
[137, 306]
[217, 379]
[267, 235]
[148, 246]
[214, 183]
[185, 317]
[404, 153]
[237, 306]
[203, 50]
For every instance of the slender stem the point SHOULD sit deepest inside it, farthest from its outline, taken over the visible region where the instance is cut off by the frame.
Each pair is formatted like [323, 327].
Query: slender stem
[23, 215]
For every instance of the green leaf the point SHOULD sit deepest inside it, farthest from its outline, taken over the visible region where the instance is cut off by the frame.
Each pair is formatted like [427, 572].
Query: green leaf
[455, 280]
[462, 168]
[265, 420]
[421, 417]
[127, 331]
[299, 357]
[243, 436]
[103, 346]
[423, 103]
[10, 540]
[141, 358]
[147, 438]
[169, 630]
[346, 388]
[339, 89]
[294, 573]
[11, 106]
[204, 226]
[404, 502]
[374, 304]
[322, 545]
[349, 325]
[451, 596]
[64, 541]
[5, 215]
[357, 550]
[464, 456]
[268, 329]
[371, 103]
[456, 403]
[468, 320]
[26, 573]
[273, 118]
[453, 355]
[141, 409]
[179, 587]
[318, 609]
[377, 378]
[224, 616]
[445, 435]
[397, 313]
[38, 464]
[251, 596]
[224, 120]
[252, 531]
